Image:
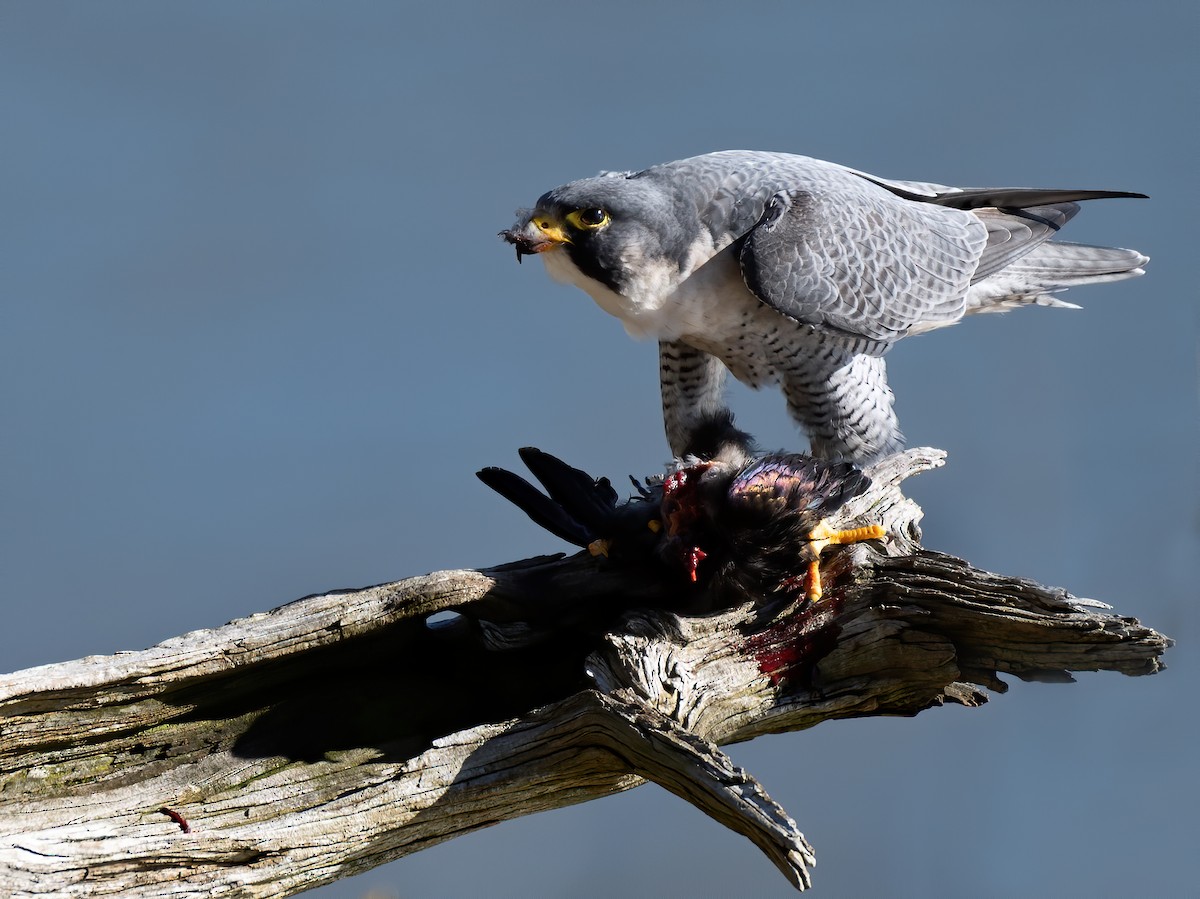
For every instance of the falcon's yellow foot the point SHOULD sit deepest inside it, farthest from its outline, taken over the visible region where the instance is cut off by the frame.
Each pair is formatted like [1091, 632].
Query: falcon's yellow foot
[599, 547]
[822, 536]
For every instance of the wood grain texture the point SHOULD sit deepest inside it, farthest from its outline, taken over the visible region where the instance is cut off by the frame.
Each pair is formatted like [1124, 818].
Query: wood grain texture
[342, 731]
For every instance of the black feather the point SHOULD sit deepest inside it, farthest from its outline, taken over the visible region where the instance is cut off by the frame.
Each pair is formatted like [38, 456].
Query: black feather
[1005, 197]
[590, 501]
[1024, 197]
[716, 437]
[542, 510]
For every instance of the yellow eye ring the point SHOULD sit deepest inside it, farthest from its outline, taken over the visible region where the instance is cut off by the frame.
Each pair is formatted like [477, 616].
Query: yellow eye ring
[591, 218]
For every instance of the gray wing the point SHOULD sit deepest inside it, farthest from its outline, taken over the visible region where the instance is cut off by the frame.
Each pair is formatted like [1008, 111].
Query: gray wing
[1018, 219]
[861, 262]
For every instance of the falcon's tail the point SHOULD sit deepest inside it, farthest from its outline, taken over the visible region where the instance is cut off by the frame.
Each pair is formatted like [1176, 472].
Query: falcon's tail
[1052, 266]
[1057, 265]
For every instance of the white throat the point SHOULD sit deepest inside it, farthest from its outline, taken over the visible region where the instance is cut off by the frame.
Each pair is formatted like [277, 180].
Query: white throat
[662, 302]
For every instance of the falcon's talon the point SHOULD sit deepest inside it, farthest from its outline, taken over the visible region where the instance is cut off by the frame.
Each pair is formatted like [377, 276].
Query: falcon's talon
[599, 547]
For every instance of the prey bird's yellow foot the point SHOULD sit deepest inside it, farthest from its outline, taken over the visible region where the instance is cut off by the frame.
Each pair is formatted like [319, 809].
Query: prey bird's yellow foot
[822, 536]
[812, 590]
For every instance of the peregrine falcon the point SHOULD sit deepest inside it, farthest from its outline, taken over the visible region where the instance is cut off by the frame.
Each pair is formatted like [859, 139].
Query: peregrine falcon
[788, 270]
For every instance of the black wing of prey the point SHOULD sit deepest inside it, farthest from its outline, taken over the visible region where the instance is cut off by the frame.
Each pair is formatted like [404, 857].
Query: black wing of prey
[790, 271]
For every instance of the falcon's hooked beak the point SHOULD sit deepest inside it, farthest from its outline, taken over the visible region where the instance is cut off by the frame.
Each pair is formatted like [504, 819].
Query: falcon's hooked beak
[539, 233]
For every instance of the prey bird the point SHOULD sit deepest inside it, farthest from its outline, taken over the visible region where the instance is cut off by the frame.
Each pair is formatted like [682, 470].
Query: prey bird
[744, 528]
[788, 270]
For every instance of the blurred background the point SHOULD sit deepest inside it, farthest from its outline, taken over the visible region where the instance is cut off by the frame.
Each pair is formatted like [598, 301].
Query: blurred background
[258, 332]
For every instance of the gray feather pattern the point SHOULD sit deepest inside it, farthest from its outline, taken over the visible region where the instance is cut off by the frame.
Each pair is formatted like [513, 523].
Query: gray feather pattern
[861, 260]
[1010, 236]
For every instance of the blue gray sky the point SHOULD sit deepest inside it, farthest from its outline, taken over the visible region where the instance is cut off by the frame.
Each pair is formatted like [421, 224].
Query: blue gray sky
[258, 333]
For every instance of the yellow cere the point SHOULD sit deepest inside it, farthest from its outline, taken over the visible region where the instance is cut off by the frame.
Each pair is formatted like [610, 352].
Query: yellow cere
[551, 229]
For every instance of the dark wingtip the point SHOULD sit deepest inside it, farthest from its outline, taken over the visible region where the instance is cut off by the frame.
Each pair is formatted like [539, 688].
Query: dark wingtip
[1003, 197]
[1024, 197]
[590, 500]
[539, 508]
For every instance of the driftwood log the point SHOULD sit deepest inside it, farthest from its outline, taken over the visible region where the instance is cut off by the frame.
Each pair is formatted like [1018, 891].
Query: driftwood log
[338, 732]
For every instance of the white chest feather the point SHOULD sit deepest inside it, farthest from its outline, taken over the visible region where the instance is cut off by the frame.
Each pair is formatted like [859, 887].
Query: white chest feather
[709, 303]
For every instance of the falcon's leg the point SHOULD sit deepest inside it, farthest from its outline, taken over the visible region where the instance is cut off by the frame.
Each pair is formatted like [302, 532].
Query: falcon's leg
[843, 402]
[692, 386]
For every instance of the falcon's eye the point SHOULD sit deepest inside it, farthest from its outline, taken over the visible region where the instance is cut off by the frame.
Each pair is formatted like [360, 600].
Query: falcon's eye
[590, 219]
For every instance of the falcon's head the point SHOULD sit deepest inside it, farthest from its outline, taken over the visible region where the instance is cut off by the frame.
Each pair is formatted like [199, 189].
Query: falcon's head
[624, 238]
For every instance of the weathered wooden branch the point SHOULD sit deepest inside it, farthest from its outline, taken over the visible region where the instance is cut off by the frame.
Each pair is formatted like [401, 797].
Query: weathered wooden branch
[338, 732]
